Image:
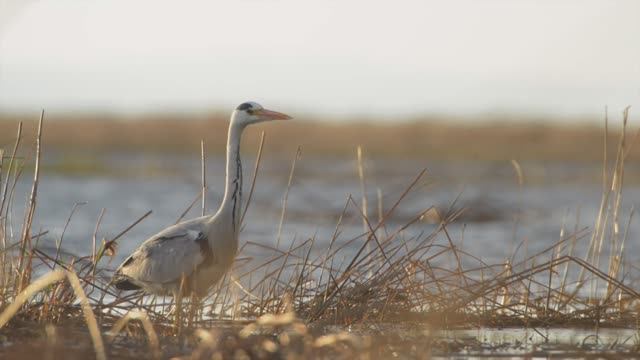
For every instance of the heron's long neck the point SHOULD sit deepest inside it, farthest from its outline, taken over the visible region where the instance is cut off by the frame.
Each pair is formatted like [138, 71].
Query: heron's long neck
[232, 200]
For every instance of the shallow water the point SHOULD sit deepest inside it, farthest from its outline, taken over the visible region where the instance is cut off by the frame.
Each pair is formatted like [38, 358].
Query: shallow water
[500, 215]
[549, 339]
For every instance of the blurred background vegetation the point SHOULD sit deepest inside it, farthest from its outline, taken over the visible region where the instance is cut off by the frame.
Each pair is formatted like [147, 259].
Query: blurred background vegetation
[428, 138]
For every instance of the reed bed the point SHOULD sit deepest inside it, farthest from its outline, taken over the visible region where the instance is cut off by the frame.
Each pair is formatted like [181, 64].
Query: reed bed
[303, 299]
[429, 137]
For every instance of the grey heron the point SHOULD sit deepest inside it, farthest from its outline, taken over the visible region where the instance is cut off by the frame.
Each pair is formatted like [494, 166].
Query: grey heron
[203, 249]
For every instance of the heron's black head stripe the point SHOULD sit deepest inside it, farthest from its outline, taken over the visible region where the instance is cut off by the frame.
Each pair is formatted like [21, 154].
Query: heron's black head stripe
[244, 106]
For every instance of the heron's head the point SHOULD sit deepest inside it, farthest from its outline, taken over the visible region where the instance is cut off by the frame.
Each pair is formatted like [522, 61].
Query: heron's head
[250, 112]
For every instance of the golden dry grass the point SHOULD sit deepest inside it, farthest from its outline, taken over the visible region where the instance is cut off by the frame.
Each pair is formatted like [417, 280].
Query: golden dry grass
[429, 138]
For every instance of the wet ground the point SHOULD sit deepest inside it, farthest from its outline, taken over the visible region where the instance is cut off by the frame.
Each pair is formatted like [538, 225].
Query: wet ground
[376, 341]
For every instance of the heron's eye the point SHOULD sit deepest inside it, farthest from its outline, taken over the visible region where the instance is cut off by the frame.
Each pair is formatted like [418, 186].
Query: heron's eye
[250, 111]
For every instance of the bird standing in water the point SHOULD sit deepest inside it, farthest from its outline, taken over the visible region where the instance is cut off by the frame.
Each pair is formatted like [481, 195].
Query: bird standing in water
[200, 250]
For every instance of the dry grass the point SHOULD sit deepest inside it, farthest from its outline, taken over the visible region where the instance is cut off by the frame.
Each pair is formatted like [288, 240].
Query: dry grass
[396, 275]
[429, 138]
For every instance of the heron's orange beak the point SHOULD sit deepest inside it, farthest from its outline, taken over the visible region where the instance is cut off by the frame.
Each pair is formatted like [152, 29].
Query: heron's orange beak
[265, 114]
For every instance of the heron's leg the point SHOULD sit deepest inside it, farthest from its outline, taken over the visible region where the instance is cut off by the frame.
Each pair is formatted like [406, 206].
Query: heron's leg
[178, 293]
[192, 310]
[177, 297]
[173, 305]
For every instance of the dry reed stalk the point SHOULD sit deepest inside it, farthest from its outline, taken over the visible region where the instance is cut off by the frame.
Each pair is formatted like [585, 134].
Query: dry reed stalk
[334, 237]
[280, 270]
[1, 187]
[611, 191]
[272, 260]
[43, 282]
[3, 240]
[455, 252]
[286, 194]
[363, 190]
[5, 198]
[615, 231]
[235, 299]
[271, 278]
[90, 318]
[242, 288]
[7, 219]
[111, 245]
[103, 289]
[11, 160]
[369, 231]
[203, 170]
[253, 177]
[23, 296]
[340, 282]
[380, 204]
[301, 276]
[616, 190]
[25, 271]
[617, 257]
[609, 209]
[64, 230]
[489, 287]
[570, 253]
[384, 219]
[604, 200]
[555, 254]
[94, 239]
[186, 211]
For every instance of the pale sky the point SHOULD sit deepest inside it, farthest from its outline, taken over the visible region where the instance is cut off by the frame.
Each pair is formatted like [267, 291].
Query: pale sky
[347, 57]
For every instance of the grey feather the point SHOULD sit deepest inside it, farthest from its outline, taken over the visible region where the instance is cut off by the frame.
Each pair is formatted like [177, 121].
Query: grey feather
[161, 261]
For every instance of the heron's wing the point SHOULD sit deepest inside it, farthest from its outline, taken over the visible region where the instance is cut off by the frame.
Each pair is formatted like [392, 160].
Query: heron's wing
[166, 257]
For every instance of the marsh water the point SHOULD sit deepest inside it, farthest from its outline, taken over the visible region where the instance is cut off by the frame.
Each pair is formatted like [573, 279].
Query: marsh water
[503, 213]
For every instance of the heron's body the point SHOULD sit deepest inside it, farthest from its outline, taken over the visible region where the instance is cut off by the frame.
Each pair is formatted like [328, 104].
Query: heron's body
[200, 250]
[185, 249]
